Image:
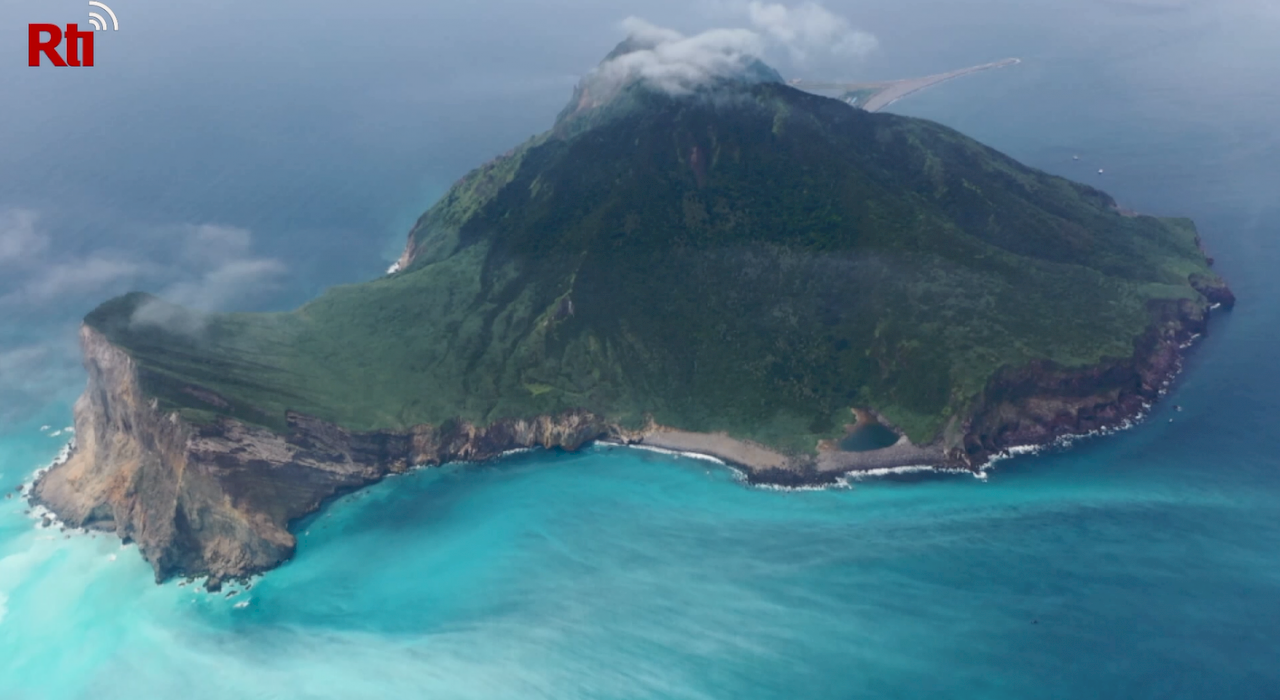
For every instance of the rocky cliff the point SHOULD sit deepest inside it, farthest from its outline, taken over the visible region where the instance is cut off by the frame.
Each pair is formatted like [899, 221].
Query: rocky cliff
[1042, 402]
[217, 499]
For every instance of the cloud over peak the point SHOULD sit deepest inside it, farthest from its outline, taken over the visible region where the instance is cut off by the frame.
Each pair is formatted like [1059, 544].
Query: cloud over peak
[676, 63]
[670, 61]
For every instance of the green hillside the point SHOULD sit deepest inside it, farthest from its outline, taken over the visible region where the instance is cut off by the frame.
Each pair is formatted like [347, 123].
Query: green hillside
[750, 258]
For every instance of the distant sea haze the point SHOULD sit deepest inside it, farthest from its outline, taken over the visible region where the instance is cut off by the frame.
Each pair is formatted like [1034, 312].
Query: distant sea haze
[1139, 565]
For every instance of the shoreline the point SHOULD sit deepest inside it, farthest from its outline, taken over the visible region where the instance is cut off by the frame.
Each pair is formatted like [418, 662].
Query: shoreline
[259, 483]
[762, 466]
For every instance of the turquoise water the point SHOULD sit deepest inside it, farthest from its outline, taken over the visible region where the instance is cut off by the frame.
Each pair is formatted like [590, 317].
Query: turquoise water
[1122, 569]
[1140, 565]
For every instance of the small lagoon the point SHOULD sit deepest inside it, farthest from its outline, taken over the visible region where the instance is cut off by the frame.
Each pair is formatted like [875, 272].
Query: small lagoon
[866, 438]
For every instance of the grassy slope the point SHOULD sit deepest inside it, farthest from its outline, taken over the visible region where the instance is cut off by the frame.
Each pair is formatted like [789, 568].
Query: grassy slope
[756, 265]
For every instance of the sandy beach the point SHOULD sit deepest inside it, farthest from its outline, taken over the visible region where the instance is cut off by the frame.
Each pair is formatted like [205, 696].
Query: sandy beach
[757, 459]
[739, 452]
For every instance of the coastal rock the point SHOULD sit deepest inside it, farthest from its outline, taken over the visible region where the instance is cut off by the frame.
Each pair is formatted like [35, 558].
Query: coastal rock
[217, 499]
[1041, 402]
[1214, 289]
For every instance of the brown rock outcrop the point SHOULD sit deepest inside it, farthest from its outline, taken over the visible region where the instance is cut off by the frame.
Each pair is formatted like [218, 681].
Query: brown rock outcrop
[1041, 402]
[217, 499]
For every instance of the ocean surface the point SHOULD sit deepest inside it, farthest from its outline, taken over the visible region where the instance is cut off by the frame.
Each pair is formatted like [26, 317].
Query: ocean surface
[1139, 565]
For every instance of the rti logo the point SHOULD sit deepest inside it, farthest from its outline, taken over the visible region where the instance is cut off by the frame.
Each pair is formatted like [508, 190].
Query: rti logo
[44, 39]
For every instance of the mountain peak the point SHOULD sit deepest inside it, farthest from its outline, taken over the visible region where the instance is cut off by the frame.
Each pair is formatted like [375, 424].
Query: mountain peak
[664, 61]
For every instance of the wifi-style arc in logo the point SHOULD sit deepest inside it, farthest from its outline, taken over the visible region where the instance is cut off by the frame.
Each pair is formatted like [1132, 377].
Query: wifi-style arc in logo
[98, 21]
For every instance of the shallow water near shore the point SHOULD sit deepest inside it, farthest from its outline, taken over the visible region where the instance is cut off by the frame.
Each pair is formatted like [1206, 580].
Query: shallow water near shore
[1118, 569]
[1144, 564]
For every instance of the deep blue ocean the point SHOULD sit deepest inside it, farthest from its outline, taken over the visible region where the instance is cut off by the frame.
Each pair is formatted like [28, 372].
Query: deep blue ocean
[1139, 565]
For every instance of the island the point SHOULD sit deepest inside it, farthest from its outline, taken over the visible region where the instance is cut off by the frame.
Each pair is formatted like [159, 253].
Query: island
[742, 269]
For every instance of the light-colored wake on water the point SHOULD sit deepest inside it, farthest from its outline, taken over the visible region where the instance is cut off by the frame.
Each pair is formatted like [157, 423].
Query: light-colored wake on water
[679, 453]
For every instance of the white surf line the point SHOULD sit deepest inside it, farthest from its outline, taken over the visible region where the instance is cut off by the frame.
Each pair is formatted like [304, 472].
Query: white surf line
[1129, 423]
[838, 484]
[843, 481]
[1065, 441]
[675, 453]
[859, 475]
[63, 455]
[741, 476]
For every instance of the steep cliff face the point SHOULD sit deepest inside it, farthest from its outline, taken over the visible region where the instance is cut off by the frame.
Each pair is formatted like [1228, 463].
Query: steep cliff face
[1039, 403]
[217, 499]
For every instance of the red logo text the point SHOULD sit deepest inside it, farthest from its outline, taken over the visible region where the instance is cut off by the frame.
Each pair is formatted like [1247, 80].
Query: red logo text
[43, 40]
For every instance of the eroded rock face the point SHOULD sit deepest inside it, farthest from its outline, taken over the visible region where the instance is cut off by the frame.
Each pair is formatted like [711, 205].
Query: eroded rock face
[217, 499]
[1039, 403]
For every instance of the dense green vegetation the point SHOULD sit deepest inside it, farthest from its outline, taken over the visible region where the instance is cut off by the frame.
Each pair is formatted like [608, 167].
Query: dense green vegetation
[752, 259]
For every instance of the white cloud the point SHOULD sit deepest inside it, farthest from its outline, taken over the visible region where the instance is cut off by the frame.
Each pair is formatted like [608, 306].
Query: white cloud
[810, 28]
[47, 284]
[225, 285]
[93, 275]
[33, 373]
[225, 275]
[205, 267]
[19, 240]
[21, 360]
[649, 33]
[675, 63]
[211, 242]
[37, 275]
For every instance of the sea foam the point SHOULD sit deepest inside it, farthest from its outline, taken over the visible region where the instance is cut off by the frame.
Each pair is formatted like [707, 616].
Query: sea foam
[678, 453]
[908, 469]
[40, 513]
